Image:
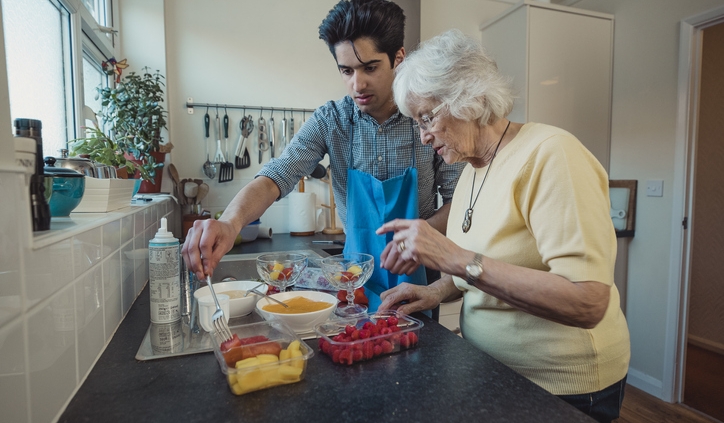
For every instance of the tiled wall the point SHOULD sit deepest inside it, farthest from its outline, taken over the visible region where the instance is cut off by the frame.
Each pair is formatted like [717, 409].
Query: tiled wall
[61, 304]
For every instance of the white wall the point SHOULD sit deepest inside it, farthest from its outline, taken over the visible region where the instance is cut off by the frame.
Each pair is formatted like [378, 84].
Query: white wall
[239, 53]
[642, 146]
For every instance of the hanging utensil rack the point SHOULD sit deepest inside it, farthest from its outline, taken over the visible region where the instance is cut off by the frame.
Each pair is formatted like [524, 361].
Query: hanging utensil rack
[190, 105]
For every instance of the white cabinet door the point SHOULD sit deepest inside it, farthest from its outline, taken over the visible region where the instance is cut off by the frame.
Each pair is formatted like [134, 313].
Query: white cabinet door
[561, 61]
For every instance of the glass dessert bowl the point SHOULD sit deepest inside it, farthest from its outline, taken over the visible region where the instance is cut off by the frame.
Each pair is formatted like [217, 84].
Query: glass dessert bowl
[348, 271]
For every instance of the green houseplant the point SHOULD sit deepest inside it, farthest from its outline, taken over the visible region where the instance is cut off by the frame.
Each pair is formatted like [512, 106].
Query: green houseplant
[133, 113]
[99, 147]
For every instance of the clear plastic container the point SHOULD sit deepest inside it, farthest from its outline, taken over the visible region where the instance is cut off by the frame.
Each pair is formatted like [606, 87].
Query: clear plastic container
[349, 341]
[257, 368]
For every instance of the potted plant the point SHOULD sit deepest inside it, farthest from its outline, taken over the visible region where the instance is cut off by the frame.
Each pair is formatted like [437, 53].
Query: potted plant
[100, 148]
[133, 112]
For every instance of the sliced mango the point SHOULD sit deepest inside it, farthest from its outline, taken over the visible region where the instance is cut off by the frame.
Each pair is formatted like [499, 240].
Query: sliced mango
[252, 380]
[278, 267]
[284, 355]
[297, 360]
[289, 373]
[247, 362]
[267, 358]
[236, 389]
[231, 377]
[355, 270]
[274, 275]
[294, 346]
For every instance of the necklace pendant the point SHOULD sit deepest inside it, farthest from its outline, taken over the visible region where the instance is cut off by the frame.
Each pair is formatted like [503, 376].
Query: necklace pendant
[468, 221]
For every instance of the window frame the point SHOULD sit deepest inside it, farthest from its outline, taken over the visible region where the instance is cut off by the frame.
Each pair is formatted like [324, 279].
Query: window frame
[92, 41]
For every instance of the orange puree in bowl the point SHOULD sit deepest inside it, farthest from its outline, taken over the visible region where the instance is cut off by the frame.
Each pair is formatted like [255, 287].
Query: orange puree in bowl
[297, 305]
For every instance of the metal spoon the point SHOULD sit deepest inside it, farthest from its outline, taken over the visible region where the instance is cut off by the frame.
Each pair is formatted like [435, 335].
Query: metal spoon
[268, 297]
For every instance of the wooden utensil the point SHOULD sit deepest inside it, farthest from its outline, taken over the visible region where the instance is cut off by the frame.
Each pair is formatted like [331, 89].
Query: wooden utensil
[203, 190]
[175, 178]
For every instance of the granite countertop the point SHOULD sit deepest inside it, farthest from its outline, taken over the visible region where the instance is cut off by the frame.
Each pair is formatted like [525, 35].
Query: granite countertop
[444, 379]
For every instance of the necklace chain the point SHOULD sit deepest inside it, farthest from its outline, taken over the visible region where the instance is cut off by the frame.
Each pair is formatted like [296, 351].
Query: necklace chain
[468, 220]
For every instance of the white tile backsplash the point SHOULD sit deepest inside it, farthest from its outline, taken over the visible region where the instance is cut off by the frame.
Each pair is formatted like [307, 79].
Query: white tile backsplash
[112, 294]
[111, 237]
[13, 374]
[89, 318]
[87, 250]
[64, 297]
[52, 354]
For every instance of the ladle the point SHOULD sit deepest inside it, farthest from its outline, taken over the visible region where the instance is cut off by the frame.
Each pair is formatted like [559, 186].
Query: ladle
[209, 167]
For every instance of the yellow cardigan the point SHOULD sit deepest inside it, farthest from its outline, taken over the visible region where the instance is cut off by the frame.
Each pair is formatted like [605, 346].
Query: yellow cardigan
[544, 206]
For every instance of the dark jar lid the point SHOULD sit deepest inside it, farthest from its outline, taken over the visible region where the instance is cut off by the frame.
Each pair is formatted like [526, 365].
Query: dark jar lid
[51, 170]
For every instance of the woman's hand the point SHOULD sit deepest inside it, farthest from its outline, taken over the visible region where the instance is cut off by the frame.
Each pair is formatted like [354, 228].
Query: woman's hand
[416, 298]
[416, 243]
[206, 243]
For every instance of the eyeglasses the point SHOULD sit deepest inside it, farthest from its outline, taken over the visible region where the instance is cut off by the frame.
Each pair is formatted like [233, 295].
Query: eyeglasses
[426, 124]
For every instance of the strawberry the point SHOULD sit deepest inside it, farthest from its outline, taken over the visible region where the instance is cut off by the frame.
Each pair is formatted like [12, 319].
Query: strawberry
[231, 343]
[382, 323]
[345, 357]
[364, 333]
[355, 335]
[377, 350]
[335, 356]
[392, 321]
[387, 347]
[357, 355]
[394, 328]
[385, 331]
[368, 325]
[404, 341]
[368, 349]
[348, 329]
[413, 338]
[359, 296]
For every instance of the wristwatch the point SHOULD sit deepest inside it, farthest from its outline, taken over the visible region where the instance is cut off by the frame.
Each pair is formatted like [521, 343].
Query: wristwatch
[474, 270]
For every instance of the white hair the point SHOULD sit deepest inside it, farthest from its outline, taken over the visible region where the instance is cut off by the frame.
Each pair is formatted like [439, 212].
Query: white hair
[453, 69]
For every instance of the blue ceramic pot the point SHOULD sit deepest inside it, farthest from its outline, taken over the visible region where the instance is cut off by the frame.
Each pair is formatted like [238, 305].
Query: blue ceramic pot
[68, 189]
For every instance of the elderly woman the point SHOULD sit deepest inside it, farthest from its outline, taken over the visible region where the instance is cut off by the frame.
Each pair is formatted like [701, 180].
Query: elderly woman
[530, 245]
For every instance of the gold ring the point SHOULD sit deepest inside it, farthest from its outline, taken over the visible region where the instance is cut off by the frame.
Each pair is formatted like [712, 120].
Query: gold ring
[401, 246]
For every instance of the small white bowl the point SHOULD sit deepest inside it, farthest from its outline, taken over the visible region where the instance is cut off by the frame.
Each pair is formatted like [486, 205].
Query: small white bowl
[302, 322]
[237, 306]
[207, 308]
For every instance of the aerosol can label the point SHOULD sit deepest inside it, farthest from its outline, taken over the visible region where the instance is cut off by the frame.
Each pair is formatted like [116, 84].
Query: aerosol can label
[164, 283]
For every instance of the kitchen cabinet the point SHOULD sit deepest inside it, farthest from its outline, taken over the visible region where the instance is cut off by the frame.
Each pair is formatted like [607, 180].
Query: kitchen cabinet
[561, 61]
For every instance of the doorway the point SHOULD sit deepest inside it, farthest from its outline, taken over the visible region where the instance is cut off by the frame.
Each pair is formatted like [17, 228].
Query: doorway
[704, 363]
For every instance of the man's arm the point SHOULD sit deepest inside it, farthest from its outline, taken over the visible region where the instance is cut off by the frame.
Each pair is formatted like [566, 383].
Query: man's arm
[208, 240]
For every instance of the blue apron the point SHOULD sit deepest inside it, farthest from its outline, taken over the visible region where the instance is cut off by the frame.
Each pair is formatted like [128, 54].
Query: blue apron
[371, 203]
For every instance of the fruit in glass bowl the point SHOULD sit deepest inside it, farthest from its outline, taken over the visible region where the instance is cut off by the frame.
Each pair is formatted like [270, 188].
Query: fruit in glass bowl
[348, 271]
[281, 270]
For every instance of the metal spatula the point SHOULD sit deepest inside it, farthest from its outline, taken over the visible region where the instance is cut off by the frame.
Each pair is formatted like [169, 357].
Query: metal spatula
[226, 168]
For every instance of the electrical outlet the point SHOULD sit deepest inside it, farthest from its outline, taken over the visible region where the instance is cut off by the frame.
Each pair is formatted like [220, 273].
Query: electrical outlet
[655, 188]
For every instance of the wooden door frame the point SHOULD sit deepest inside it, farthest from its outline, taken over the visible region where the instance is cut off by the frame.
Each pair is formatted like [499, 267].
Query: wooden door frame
[690, 52]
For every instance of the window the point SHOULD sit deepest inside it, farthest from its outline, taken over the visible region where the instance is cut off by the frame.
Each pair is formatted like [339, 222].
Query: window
[97, 9]
[53, 64]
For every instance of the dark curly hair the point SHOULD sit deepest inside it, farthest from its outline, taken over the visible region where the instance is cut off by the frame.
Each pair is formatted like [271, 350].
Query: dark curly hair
[381, 20]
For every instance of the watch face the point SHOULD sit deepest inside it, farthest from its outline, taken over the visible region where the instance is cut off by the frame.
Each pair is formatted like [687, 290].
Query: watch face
[474, 270]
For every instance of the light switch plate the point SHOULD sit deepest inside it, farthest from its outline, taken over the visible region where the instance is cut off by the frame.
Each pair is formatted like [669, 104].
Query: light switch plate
[655, 188]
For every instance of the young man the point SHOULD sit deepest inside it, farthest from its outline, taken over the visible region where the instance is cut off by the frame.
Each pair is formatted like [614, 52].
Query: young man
[381, 170]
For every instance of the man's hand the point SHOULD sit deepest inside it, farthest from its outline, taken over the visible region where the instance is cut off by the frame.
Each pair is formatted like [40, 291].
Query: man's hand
[206, 243]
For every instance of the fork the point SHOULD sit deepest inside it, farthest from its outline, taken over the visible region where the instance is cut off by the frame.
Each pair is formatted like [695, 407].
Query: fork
[217, 319]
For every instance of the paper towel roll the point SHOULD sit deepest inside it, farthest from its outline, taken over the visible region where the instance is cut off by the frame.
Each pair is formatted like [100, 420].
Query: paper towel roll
[264, 232]
[302, 213]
